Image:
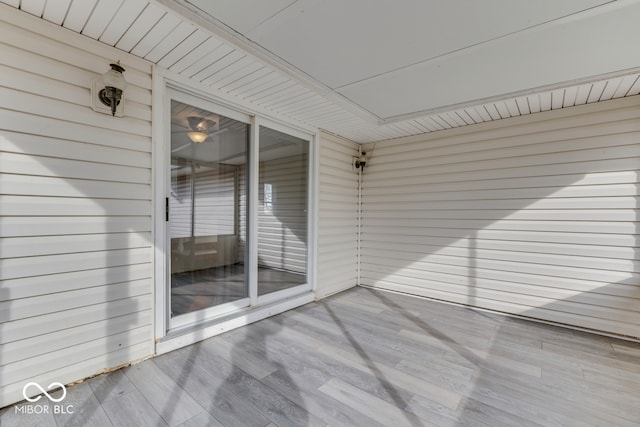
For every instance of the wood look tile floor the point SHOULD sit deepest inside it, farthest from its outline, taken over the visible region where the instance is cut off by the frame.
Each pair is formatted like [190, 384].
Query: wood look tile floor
[370, 358]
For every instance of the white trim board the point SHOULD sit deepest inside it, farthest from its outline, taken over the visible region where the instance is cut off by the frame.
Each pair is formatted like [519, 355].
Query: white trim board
[183, 337]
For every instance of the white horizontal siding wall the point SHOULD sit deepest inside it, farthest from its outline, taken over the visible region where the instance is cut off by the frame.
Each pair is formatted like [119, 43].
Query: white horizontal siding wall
[180, 206]
[214, 204]
[242, 213]
[338, 216]
[75, 210]
[536, 216]
[282, 228]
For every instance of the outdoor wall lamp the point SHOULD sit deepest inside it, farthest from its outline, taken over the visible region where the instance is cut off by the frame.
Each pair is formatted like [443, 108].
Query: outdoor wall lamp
[107, 91]
[360, 162]
[114, 83]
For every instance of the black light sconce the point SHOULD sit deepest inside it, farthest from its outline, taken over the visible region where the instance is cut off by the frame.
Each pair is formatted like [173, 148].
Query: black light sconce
[108, 89]
[360, 162]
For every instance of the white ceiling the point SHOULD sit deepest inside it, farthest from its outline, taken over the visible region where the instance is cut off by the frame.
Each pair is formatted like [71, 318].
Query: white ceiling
[371, 69]
[402, 58]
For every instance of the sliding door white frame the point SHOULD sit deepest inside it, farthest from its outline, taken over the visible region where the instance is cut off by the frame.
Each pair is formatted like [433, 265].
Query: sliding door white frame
[182, 330]
[309, 285]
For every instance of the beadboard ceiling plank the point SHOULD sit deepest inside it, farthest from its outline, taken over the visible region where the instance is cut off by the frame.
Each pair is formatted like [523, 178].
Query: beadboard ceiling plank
[34, 7]
[101, 17]
[56, 10]
[173, 39]
[122, 21]
[183, 48]
[167, 24]
[149, 17]
[78, 14]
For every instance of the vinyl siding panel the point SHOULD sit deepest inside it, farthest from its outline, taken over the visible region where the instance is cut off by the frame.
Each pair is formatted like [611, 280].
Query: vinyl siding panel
[75, 210]
[535, 216]
[282, 227]
[214, 204]
[338, 216]
[242, 213]
[180, 204]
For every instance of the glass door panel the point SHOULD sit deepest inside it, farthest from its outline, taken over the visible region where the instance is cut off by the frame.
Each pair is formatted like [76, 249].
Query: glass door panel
[282, 211]
[207, 209]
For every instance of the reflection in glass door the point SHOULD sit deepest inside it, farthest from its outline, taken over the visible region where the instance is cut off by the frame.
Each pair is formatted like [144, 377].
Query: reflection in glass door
[282, 211]
[207, 206]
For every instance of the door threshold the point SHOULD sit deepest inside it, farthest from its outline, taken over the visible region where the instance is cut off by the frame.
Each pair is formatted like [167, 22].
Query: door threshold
[191, 334]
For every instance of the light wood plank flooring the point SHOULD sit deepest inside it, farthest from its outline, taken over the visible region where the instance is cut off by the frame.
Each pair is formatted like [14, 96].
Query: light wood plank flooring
[368, 358]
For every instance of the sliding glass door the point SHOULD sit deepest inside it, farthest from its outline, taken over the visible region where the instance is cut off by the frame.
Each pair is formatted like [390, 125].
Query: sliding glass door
[282, 211]
[207, 208]
[237, 212]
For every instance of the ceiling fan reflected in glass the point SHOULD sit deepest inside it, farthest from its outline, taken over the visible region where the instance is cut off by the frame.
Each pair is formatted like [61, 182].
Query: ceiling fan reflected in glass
[201, 128]
[198, 129]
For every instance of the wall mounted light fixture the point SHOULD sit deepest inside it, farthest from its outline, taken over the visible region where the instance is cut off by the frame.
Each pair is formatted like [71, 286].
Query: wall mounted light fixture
[360, 162]
[108, 89]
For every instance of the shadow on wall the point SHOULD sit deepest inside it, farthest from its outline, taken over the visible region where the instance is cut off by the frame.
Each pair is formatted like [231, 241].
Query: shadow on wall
[77, 256]
[553, 239]
[76, 272]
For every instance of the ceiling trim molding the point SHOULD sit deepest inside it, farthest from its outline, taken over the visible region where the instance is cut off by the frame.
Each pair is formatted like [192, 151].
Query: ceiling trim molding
[536, 118]
[239, 41]
[508, 96]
